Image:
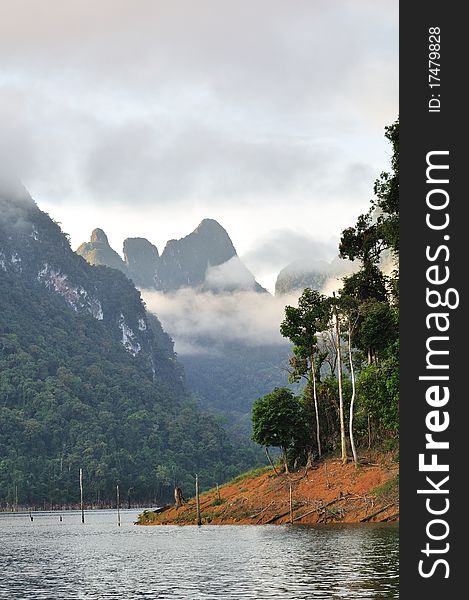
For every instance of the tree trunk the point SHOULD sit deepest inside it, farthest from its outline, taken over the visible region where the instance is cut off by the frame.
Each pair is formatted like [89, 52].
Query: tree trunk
[197, 500]
[81, 497]
[341, 398]
[118, 503]
[178, 497]
[315, 396]
[352, 401]
[285, 462]
[270, 460]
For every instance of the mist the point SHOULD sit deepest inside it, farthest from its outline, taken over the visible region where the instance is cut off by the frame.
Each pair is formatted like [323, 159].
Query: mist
[153, 116]
[203, 322]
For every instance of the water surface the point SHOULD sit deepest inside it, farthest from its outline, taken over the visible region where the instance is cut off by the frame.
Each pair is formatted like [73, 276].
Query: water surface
[53, 560]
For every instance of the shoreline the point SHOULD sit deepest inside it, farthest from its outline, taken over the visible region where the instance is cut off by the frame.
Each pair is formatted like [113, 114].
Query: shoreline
[329, 492]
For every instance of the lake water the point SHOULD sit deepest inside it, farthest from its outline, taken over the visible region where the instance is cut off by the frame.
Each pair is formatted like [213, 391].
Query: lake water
[53, 560]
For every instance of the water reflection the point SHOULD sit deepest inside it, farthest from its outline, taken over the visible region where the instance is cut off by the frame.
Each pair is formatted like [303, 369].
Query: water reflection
[49, 559]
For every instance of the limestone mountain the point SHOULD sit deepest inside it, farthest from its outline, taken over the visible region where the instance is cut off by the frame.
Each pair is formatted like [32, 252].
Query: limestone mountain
[141, 259]
[98, 252]
[206, 259]
[89, 379]
[311, 273]
[184, 262]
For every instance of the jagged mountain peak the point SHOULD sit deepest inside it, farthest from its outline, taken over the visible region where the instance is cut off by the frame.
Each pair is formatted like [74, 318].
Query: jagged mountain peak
[210, 237]
[311, 273]
[98, 236]
[141, 258]
[210, 226]
[98, 252]
[185, 262]
[135, 246]
[204, 259]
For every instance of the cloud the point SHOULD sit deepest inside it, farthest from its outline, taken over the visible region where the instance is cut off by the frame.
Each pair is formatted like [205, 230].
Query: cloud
[235, 92]
[163, 163]
[205, 321]
[189, 109]
[230, 275]
[15, 203]
[201, 322]
[278, 248]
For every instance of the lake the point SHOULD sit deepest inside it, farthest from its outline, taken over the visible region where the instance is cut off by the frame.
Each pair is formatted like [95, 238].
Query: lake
[53, 560]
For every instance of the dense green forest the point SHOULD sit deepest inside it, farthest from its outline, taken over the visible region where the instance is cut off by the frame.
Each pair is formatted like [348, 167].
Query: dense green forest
[345, 347]
[225, 376]
[228, 381]
[88, 379]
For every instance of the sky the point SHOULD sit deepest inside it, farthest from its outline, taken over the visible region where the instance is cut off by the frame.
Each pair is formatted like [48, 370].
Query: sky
[142, 117]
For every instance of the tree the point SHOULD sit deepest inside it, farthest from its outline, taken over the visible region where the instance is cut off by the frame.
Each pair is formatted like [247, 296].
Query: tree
[301, 325]
[378, 229]
[350, 310]
[375, 328]
[343, 446]
[278, 420]
[387, 194]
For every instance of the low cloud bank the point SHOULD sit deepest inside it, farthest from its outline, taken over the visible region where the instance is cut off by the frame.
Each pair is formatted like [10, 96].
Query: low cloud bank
[206, 321]
[202, 322]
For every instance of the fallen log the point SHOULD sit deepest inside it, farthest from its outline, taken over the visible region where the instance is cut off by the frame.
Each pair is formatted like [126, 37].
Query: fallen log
[262, 511]
[376, 513]
[390, 518]
[338, 499]
[277, 517]
[310, 512]
[322, 507]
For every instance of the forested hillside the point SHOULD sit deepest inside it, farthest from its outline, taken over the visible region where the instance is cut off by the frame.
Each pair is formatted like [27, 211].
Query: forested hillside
[225, 376]
[228, 383]
[88, 379]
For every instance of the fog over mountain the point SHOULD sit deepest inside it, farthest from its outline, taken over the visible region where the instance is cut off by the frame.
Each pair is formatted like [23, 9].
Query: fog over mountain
[143, 121]
[246, 317]
[89, 378]
[309, 272]
[203, 260]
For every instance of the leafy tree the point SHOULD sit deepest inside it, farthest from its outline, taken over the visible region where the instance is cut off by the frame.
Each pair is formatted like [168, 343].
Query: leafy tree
[378, 391]
[378, 229]
[387, 194]
[278, 420]
[376, 330]
[301, 325]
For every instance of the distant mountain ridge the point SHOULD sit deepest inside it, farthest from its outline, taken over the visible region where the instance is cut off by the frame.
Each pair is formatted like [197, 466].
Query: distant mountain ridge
[205, 259]
[140, 259]
[311, 273]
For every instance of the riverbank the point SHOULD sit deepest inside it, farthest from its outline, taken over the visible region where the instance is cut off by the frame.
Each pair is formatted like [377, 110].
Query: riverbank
[326, 493]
